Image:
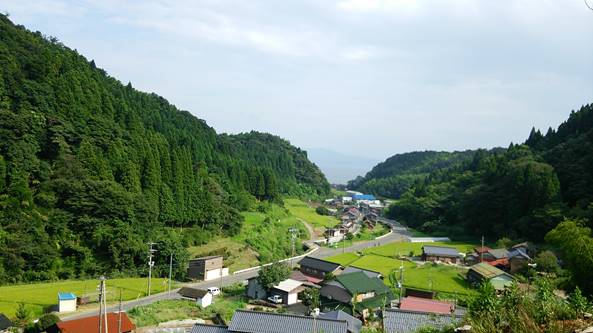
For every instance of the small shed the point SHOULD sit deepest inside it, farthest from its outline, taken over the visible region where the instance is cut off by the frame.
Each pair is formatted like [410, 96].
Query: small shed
[288, 290]
[66, 302]
[440, 253]
[485, 272]
[202, 297]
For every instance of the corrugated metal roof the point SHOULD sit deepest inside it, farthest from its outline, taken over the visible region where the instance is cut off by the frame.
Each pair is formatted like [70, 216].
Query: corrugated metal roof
[319, 264]
[487, 271]
[288, 285]
[66, 296]
[203, 328]
[401, 321]
[499, 253]
[83, 325]
[359, 282]
[440, 251]
[192, 292]
[411, 303]
[264, 322]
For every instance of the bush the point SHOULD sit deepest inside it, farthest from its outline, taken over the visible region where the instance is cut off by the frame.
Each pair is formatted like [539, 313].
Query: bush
[321, 210]
[547, 262]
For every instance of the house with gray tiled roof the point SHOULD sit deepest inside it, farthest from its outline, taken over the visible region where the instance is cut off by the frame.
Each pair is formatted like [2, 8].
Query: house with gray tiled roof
[204, 328]
[265, 322]
[354, 324]
[440, 253]
[402, 321]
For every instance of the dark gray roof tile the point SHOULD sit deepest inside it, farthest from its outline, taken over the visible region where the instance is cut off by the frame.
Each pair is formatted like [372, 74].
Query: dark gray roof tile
[401, 321]
[265, 322]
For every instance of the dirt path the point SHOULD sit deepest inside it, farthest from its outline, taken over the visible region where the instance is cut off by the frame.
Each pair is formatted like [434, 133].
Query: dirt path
[312, 235]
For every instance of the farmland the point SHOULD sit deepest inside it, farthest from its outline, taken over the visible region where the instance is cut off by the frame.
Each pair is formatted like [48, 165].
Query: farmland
[41, 296]
[301, 210]
[446, 279]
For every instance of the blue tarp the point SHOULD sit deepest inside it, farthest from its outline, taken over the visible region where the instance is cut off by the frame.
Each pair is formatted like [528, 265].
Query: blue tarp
[363, 197]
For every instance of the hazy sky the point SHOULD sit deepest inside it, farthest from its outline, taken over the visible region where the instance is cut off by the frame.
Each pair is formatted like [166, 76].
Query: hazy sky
[362, 77]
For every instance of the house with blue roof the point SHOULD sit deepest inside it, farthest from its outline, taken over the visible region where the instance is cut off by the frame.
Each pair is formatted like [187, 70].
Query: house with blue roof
[66, 302]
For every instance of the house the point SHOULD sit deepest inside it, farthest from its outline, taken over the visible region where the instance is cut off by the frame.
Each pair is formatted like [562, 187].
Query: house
[418, 304]
[317, 268]
[299, 276]
[403, 321]
[346, 199]
[518, 260]
[87, 324]
[481, 272]
[369, 273]
[245, 321]
[354, 324]
[440, 253]
[202, 297]
[206, 268]
[5, 323]
[526, 247]
[288, 290]
[356, 289]
[66, 302]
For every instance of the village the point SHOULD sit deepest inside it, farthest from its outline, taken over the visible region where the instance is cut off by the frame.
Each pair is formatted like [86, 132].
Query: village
[399, 284]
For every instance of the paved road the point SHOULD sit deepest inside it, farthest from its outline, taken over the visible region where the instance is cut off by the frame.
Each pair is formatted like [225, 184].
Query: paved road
[398, 233]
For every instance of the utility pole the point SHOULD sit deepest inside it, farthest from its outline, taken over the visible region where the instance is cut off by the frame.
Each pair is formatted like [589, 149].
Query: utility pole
[119, 313]
[293, 235]
[102, 306]
[482, 251]
[151, 252]
[401, 279]
[170, 272]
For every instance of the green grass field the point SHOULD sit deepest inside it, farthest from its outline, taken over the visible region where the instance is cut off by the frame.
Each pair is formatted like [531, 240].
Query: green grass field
[259, 241]
[40, 296]
[301, 210]
[447, 280]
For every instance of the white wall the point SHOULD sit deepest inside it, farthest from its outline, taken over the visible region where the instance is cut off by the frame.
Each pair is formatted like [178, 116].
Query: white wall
[205, 301]
[67, 305]
[211, 275]
[292, 299]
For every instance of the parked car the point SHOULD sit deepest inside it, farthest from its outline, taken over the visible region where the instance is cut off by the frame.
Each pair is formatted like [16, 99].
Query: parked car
[276, 299]
[214, 291]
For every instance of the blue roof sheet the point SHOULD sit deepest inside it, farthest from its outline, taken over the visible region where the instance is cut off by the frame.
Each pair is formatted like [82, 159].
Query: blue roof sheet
[66, 296]
[363, 197]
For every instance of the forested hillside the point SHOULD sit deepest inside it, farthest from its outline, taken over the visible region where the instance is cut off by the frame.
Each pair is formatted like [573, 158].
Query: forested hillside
[91, 170]
[398, 173]
[522, 192]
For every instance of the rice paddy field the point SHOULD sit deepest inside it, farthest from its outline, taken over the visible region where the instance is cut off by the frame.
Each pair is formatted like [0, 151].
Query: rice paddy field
[42, 296]
[448, 280]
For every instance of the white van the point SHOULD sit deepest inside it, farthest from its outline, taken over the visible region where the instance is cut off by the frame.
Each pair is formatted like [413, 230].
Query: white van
[214, 291]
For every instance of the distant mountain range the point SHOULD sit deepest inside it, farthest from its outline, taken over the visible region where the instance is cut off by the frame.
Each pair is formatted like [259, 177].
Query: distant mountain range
[340, 168]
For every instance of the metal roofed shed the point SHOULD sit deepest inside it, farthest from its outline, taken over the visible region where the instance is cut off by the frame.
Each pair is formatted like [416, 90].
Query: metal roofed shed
[266, 322]
[486, 272]
[317, 267]
[402, 321]
[440, 253]
[66, 302]
[499, 253]
[83, 325]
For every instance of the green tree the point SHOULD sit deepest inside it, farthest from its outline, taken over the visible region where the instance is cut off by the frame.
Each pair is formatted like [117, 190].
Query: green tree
[273, 274]
[22, 315]
[547, 262]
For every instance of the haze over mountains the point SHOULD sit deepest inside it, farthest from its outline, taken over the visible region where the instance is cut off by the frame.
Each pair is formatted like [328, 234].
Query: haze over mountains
[340, 168]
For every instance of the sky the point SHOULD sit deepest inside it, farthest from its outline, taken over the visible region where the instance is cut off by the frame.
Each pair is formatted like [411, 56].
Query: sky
[360, 77]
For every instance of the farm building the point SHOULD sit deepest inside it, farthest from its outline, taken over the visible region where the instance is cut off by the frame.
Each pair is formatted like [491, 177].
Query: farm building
[288, 290]
[356, 287]
[486, 272]
[518, 260]
[206, 268]
[66, 302]
[402, 321]
[87, 324]
[440, 253]
[318, 268]
[202, 297]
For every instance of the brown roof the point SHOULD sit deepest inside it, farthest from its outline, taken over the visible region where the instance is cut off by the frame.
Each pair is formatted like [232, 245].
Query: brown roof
[89, 324]
[192, 292]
